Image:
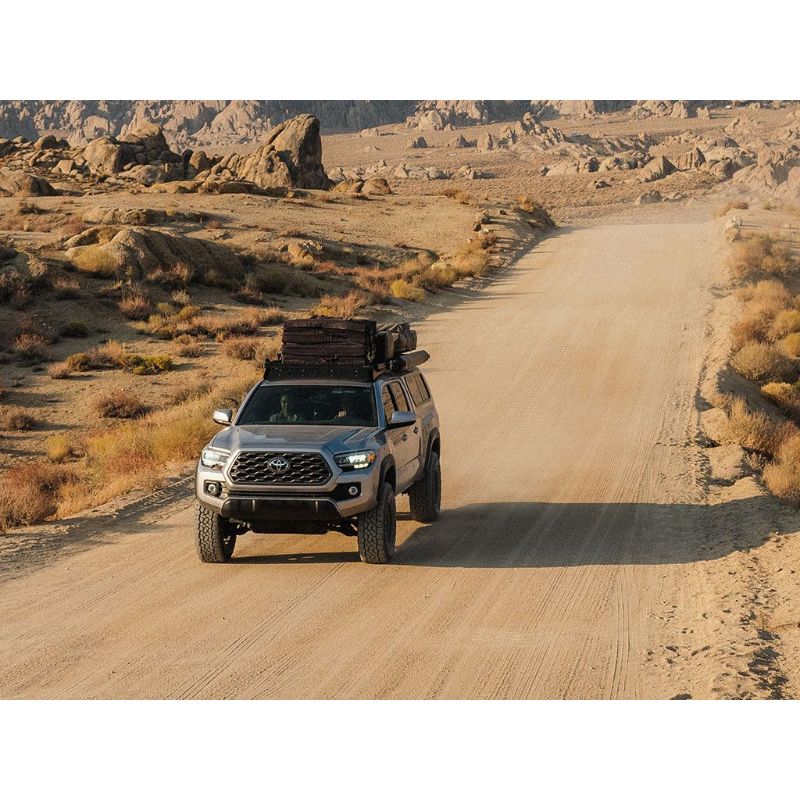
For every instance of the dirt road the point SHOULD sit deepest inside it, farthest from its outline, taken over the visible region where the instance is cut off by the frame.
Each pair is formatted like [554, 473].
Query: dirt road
[572, 559]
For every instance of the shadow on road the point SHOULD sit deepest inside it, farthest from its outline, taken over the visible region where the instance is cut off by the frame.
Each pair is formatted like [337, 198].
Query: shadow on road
[519, 535]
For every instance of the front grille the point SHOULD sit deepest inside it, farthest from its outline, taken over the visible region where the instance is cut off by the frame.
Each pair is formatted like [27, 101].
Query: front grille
[305, 469]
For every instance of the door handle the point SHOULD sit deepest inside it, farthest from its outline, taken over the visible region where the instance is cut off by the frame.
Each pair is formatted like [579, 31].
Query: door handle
[416, 430]
[405, 437]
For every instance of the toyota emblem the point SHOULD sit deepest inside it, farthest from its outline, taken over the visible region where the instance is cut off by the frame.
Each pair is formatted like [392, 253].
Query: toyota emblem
[278, 465]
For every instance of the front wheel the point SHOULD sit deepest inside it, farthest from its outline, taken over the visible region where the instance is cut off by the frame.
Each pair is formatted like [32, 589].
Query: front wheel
[377, 529]
[425, 496]
[215, 537]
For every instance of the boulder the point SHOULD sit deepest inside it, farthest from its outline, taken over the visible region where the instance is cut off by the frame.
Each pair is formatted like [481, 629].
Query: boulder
[376, 186]
[50, 142]
[199, 161]
[106, 156]
[291, 156]
[460, 142]
[148, 141]
[691, 160]
[657, 169]
[65, 166]
[417, 144]
[653, 196]
[23, 184]
[143, 254]
[124, 216]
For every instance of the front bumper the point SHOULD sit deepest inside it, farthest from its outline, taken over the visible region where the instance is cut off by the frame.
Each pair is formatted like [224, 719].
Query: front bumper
[327, 503]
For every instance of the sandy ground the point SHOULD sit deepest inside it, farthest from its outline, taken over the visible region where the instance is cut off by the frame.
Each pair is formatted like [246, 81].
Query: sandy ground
[579, 555]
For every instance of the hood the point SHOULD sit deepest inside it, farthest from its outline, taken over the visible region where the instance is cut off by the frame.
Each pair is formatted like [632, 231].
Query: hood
[334, 438]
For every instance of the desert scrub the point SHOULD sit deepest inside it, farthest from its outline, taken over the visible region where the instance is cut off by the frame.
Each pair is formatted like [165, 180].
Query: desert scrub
[189, 346]
[241, 347]
[29, 492]
[75, 330]
[135, 452]
[95, 261]
[31, 348]
[790, 345]
[754, 430]
[782, 476]
[65, 287]
[135, 305]
[472, 258]
[403, 290]
[59, 448]
[537, 214]
[760, 255]
[733, 205]
[758, 361]
[119, 404]
[145, 365]
[13, 418]
[785, 395]
[784, 323]
[340, 306]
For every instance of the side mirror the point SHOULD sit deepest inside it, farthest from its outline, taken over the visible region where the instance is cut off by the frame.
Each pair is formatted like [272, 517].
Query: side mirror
[402, 419]
[223, 416]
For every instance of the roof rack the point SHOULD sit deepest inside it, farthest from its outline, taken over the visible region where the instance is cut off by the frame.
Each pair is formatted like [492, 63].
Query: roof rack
[280, 370]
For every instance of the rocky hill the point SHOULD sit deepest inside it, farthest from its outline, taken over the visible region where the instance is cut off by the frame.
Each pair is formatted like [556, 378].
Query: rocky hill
[188, 123]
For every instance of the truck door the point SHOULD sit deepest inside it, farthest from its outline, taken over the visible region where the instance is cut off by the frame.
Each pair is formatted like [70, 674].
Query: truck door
[406, 441]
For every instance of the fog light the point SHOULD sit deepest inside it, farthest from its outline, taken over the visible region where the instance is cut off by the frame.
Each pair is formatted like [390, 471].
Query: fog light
[353, 491]
[213, 488]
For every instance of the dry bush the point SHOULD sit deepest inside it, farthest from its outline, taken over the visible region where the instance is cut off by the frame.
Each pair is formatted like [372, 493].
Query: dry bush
[759, 255]
[733, 205]
[31, 347]
[13, 418]
[785, 395]
[273, 316]
[283, 281]
[758, 361]
[145, 365]
[782, 476]
[15, 289]
[344, 307]
[71, 226]
[785, 322]
[471, 259]
[59, 448]
[119, 404]
[407, 291]
[65, 287]
[189, 346]
[136, 452]
[438, 276]
[177, 276]
[29, 492]
[538, 216]
[790, 345]
[181, 297]
[752, 327]
[60, 371]
[136, 305]
[268, 349]
[241, 347]
[75, 330]
[754, 430]
[95, 261]
[770, 293]
[461, 195]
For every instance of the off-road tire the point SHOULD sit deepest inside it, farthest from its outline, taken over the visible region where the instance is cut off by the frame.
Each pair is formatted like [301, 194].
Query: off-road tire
[377, 529]
[215, 537]
[425, 496]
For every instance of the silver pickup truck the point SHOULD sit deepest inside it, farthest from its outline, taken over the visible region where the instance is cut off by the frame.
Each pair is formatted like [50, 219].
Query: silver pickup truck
[308, 453]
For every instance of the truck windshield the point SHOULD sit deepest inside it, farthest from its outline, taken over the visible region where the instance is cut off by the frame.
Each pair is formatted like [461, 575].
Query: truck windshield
[282, 404]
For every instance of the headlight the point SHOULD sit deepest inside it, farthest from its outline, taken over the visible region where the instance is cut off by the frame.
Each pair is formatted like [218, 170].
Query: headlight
[213, 458]
[359, 460]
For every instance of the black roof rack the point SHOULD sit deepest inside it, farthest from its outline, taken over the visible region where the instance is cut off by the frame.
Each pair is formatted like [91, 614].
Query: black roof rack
[281, 370]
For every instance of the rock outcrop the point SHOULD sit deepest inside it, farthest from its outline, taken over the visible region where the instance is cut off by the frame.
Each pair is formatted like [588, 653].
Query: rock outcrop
[15, 183]
[291, 156]
[139, 253]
